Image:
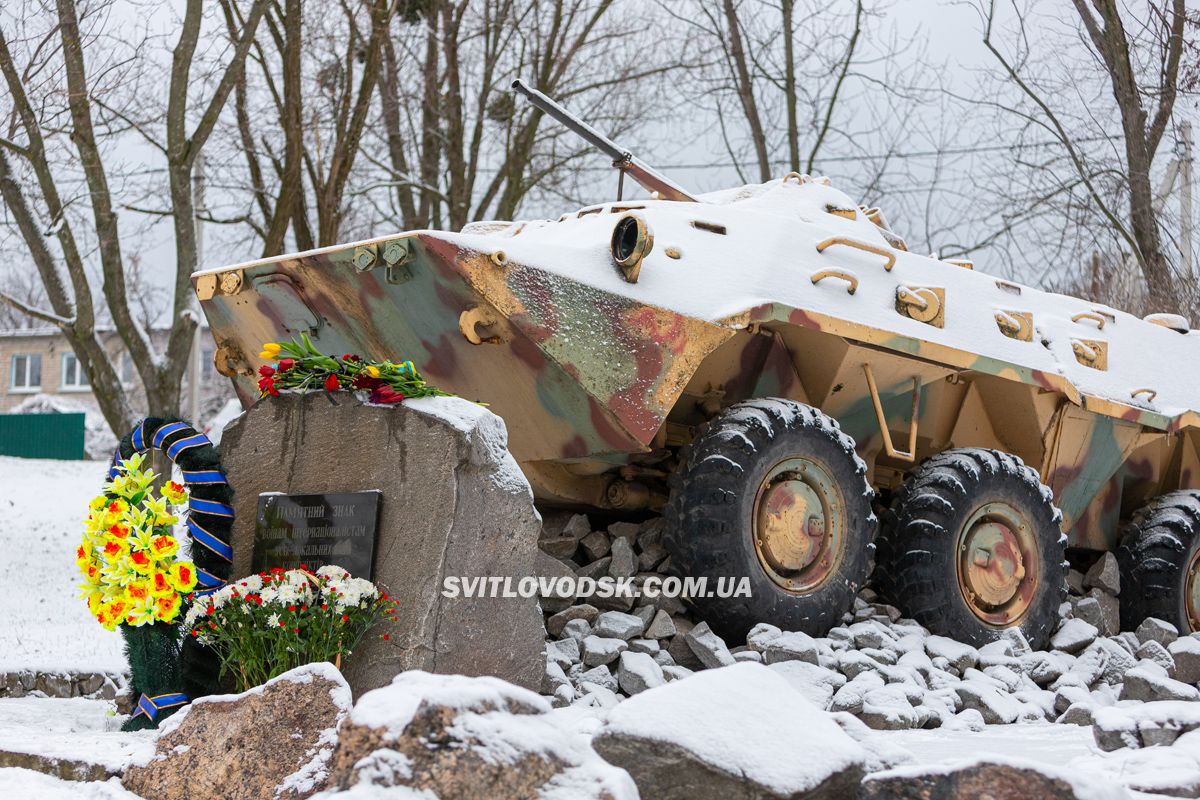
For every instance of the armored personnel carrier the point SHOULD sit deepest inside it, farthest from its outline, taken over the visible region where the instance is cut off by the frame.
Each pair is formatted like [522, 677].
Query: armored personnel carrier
[770, 366]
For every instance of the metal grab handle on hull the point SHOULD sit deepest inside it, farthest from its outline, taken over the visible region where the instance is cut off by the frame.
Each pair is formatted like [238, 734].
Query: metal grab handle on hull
[881, 417]
[857, 245]
[840, 274]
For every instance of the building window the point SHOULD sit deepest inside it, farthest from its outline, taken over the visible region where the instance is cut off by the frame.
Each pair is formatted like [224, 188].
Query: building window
[207, 367]
[26, 373]
[126, 369]
[74, 376]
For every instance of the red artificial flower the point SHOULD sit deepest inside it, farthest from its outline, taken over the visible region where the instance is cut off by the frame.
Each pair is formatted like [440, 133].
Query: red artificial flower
[292, 609]
[266, 371]
[386, 395]
[295, 630]
[285, 364]
[345, 618]
[386, 637]
[195, 632]
[332, 384]
[267, 386]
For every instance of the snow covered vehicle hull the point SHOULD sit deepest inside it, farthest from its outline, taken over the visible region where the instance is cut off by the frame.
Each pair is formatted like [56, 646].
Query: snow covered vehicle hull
[620, 341]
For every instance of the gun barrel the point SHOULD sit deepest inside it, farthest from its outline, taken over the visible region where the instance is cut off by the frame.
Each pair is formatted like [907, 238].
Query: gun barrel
[599, 140]
[647, 176]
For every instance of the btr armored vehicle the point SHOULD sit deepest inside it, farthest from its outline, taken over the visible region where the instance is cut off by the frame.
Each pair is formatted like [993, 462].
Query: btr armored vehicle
[802, 397]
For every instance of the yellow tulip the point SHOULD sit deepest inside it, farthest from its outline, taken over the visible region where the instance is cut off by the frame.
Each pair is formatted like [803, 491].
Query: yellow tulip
[272, 348]
[373, 371]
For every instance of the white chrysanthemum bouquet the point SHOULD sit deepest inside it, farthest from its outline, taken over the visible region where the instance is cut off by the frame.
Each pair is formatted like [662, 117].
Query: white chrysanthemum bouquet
[266, 624]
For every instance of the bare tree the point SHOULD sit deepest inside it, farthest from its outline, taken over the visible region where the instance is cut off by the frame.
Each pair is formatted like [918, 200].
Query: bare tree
[90, 114]
[790, 82]
[1069, 158]
[420, 120]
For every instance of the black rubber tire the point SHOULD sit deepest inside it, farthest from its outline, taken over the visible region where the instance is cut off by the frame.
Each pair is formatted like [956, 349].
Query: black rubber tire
[1155, 550]
[709, 525]
[916, 568]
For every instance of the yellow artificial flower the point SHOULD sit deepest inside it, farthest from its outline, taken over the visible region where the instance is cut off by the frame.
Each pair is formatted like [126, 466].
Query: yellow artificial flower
[141, 538]
[83, 556]
[166, 608]
[119, 573]
[182, 575]
[137, 592]
[174, 493]
[141, 562]
[160, 584]
[94, 596]
[114, 549]
[163, 547]
[140, 613]
[92, 574]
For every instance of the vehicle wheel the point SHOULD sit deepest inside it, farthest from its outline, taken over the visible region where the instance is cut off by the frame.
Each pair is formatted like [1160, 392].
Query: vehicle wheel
[973, 546]
[1159, 556]
[772, 491]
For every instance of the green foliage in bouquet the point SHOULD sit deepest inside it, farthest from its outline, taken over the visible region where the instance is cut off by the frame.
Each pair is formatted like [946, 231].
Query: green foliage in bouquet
[266, 624]
[300, 367]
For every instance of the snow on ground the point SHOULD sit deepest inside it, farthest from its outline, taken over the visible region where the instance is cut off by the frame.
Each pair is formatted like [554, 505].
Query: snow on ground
[43, 623]
[25, 783]
[70, 728]
[1057, 745]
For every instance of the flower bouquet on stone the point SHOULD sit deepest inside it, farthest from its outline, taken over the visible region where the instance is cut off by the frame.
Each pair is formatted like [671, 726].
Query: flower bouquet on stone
[264, 625]
[300, 367]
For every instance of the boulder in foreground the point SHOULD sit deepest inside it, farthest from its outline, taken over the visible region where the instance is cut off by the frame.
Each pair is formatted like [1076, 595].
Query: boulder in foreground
[735, 732]
[999, 779]
[461, 738]
[244, 746]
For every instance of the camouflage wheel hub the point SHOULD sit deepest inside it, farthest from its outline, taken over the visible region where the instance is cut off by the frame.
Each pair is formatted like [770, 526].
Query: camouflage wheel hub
[1191, 592]
[799, 525]
[997, 557]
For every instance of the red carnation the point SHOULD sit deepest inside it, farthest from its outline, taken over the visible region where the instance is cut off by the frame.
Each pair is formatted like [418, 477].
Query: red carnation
[332, 384]
[286, 364]
[266, 371]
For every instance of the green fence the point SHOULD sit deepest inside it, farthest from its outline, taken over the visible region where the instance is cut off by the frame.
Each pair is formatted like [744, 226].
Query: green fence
[42, 435]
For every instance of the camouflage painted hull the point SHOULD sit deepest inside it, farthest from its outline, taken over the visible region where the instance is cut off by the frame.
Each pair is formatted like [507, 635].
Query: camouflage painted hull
[600, 373]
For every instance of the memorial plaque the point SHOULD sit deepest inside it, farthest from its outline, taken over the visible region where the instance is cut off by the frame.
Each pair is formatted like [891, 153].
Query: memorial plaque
[317, 529]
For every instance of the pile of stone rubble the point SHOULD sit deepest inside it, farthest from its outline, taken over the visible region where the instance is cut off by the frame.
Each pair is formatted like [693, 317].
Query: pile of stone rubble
[888, 671]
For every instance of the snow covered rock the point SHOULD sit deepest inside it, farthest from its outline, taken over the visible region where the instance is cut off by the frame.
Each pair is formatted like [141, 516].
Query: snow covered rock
[1185, 651]
[960, 656]
[791, 646]
[638, 672]
[1150, 682]
[1073, 635]
[599, 650]
[815, 683]
[707, 738]
[997, 707]
[275, 740]
[708, 647]
[888, 709]
[1144, 725]
[1001, 779]
[1156, 630]
[618, 625]
[454, 738]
